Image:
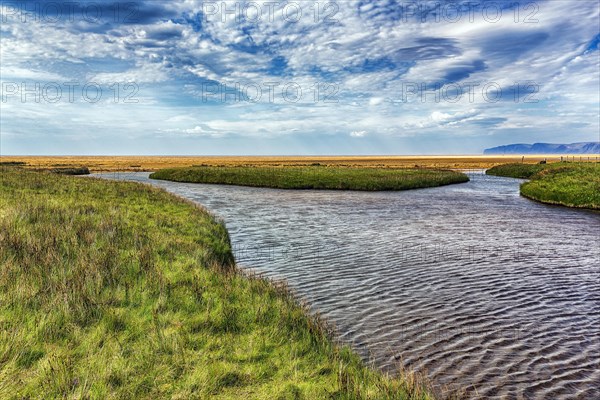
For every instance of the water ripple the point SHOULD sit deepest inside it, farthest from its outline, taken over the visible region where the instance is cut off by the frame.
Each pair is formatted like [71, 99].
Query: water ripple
[472, 284]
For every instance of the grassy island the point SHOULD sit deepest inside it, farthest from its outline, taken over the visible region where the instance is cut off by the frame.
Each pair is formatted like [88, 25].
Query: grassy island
[315, 177]
[567, 184]
[120, 290]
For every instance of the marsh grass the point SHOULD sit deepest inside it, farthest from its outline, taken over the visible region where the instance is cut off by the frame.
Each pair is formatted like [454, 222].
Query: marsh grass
[517, 170]
[315, 177]
[120, 290]
[71, 171]
[567, 184]
[154, 163]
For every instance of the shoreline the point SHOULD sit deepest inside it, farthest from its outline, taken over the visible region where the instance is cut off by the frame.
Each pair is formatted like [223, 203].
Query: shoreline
[282, 288]
[558, 204]
[152, 323]
[566, 184]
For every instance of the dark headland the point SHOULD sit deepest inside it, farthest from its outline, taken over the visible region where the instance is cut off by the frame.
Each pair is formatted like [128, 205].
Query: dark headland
[546, 148]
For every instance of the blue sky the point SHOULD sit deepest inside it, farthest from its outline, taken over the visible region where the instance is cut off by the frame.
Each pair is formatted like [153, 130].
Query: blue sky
[296, 77]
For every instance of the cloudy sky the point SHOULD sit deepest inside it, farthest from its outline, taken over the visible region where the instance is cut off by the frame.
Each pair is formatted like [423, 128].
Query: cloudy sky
[296, 77]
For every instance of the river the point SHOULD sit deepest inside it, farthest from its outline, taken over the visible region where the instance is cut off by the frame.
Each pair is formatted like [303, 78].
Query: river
[471, 284]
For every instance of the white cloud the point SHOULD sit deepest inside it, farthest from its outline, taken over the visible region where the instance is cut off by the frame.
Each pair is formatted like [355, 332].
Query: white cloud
[448, 118]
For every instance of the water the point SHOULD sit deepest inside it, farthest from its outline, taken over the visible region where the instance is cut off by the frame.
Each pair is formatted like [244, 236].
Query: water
[471, 284]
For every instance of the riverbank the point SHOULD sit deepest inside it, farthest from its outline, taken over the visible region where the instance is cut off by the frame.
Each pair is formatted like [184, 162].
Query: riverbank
[568, 184]
[315, 177]
[117, 289]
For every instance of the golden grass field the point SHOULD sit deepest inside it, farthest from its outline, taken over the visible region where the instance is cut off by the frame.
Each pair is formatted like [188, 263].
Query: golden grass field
[153, 163]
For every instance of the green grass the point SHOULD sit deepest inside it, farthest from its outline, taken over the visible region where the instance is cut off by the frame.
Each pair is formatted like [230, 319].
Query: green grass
[567, 184]
[521, 171]
[120, 290]
[314, 177]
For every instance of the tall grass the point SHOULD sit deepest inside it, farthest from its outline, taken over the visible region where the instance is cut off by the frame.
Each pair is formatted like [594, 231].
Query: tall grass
[120, 290]
[567, 184]
[315, 177]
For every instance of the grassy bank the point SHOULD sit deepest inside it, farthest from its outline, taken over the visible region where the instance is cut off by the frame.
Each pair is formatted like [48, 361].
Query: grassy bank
[517, 170]
[315, 177]
[568, 184]
[120, 290]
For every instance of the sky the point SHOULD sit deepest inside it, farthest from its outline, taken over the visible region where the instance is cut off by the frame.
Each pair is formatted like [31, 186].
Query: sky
[311, 77]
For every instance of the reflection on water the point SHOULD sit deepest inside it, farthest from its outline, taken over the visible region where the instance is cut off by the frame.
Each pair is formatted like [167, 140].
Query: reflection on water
[472, 284]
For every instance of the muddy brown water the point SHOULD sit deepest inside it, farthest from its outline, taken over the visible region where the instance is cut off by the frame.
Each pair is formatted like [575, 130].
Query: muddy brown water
[471, 284]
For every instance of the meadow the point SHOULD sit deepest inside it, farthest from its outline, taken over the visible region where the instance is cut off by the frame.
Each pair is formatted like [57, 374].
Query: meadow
[120, 290]
[315, 177]
[154, 163]
[567, 184]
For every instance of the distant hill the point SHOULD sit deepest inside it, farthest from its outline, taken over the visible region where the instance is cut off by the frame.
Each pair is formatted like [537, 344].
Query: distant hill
[546, 148]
